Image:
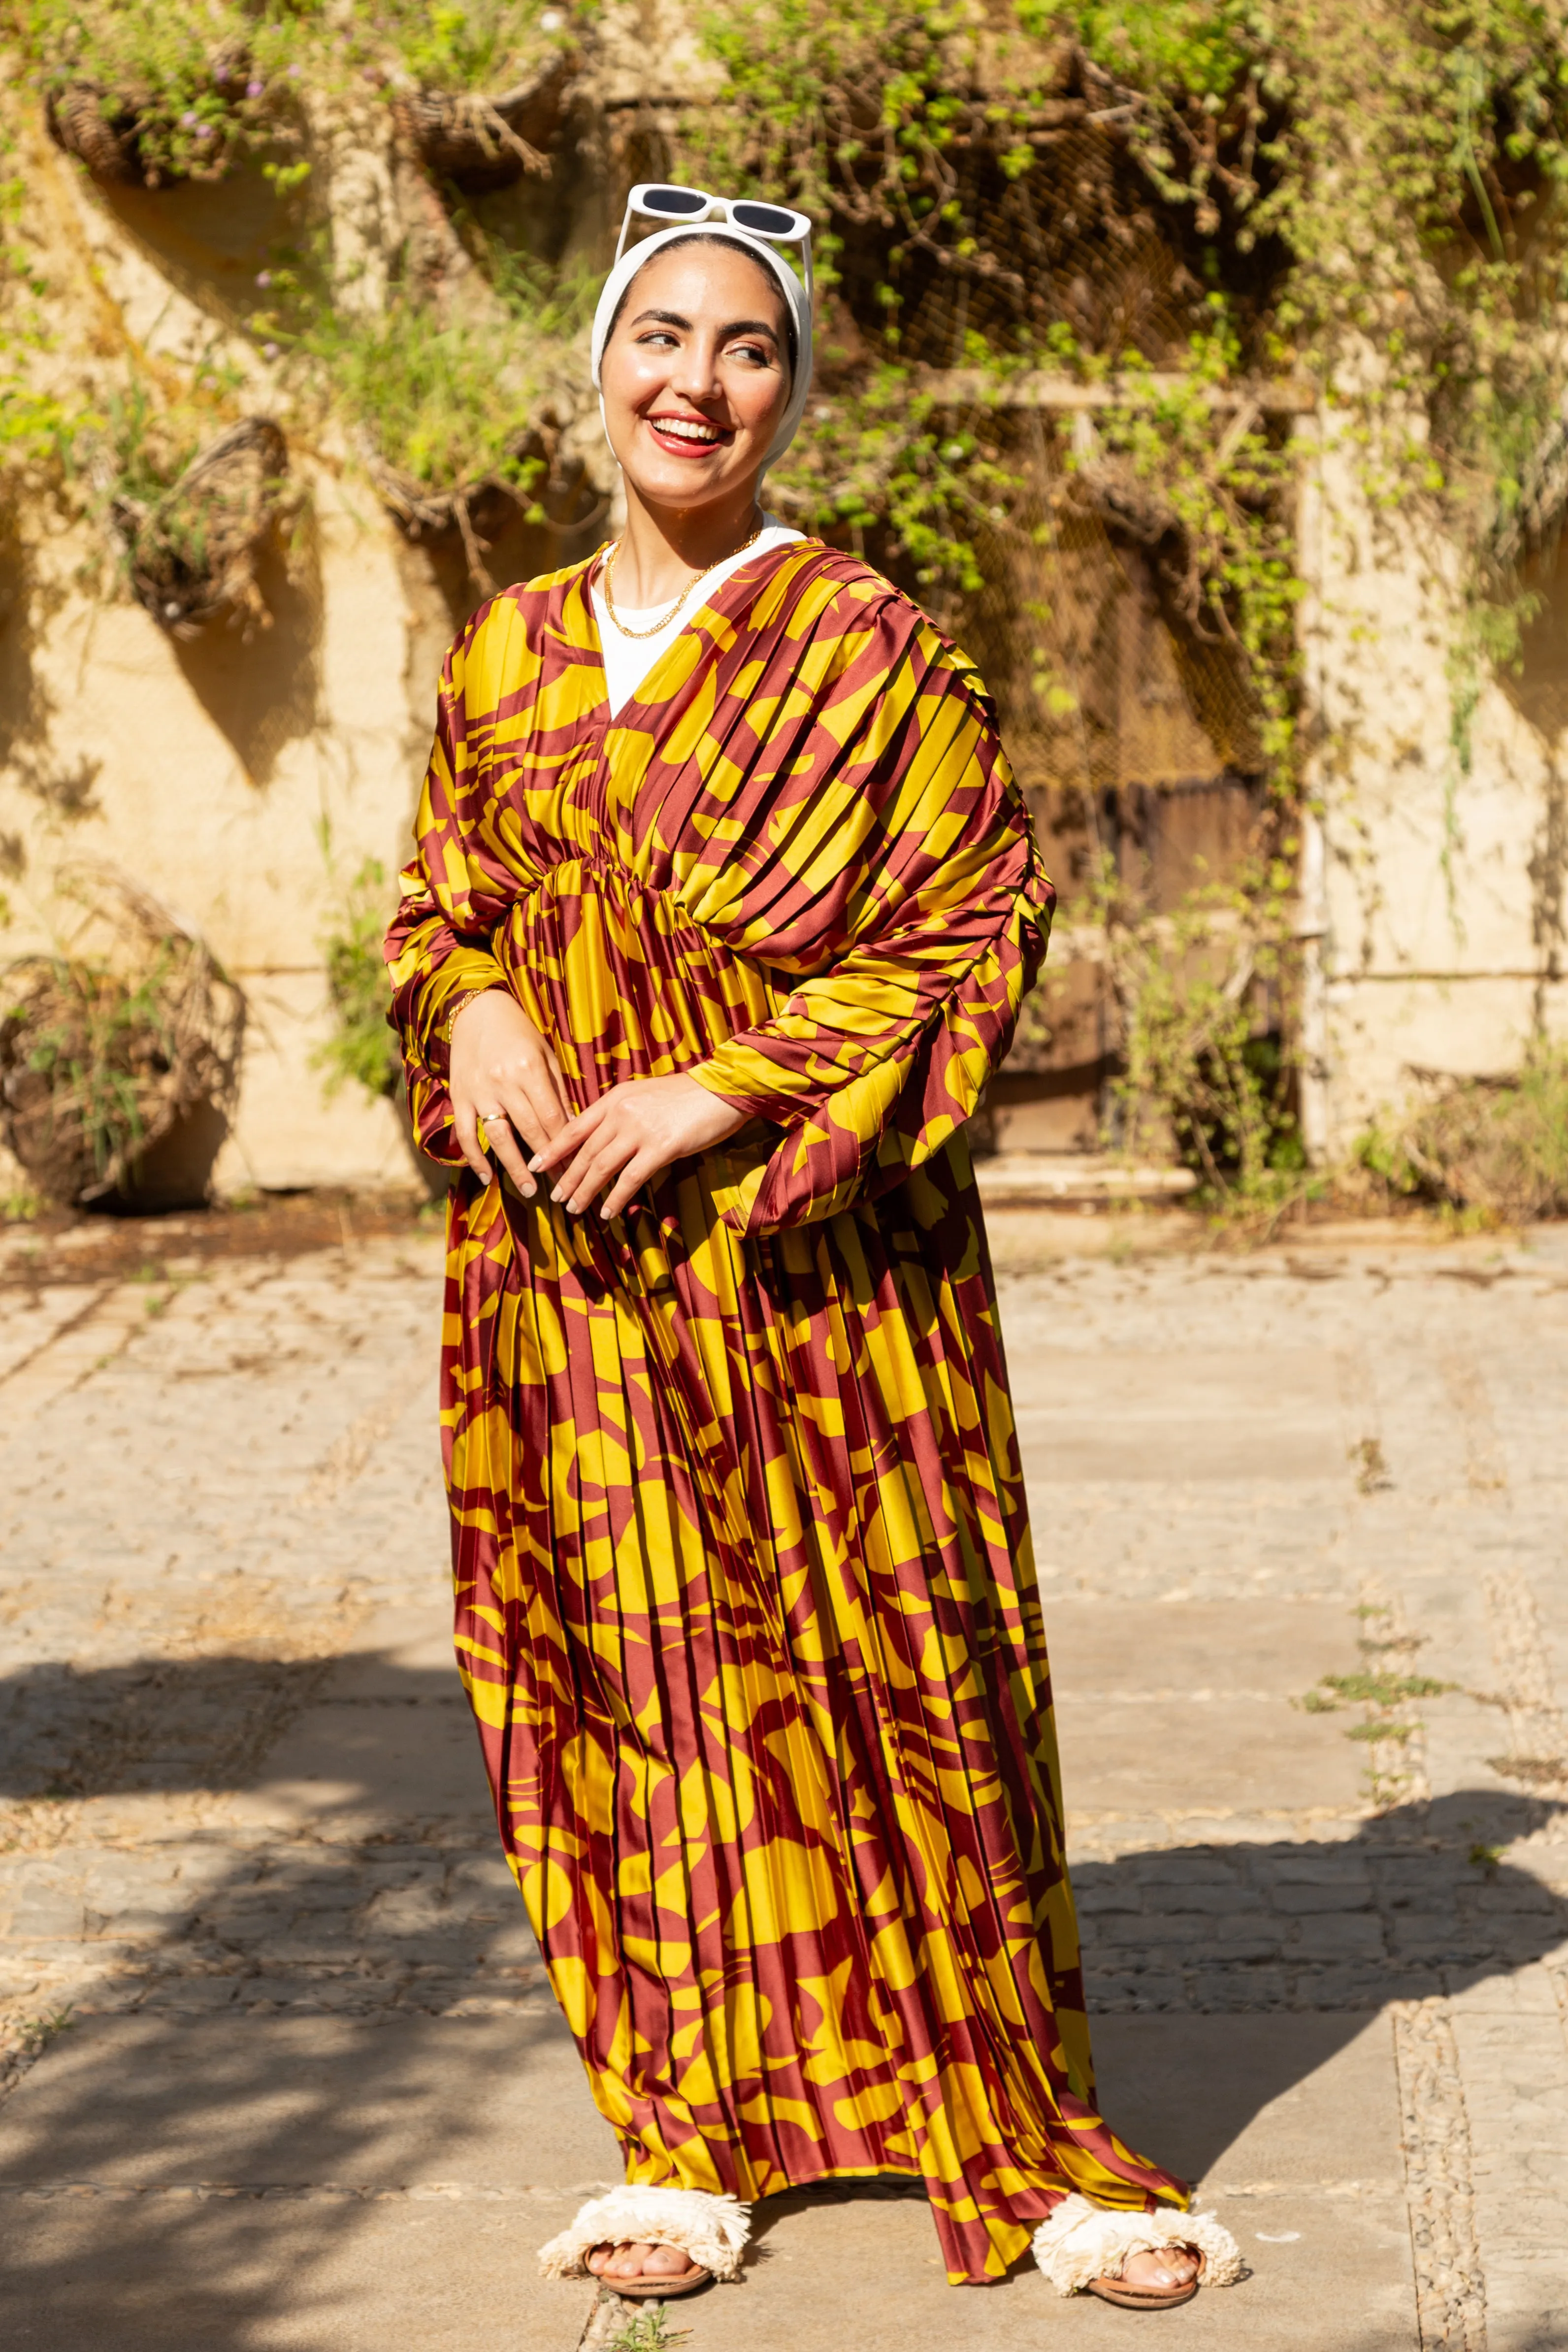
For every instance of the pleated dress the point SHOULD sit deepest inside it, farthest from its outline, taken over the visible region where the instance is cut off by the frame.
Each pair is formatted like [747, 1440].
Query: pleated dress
[745, 1600]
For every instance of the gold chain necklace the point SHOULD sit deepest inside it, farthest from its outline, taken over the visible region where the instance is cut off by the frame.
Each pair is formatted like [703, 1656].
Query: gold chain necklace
[665, 619]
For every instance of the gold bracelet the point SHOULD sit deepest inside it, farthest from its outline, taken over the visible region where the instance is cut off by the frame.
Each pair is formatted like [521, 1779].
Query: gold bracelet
[461, 1006]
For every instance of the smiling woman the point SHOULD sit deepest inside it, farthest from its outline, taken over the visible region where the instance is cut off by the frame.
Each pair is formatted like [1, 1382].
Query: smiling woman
[723, 904]
[699, 368]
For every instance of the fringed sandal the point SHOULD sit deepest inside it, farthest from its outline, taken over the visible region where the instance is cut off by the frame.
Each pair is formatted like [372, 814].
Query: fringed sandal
[1082, 2249]
[709, 2231]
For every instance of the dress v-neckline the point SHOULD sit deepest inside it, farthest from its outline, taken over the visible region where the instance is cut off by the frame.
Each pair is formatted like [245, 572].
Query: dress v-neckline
[640, 698]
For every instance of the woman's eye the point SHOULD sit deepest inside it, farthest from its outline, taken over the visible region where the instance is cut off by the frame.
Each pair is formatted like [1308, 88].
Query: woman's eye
[757, 353]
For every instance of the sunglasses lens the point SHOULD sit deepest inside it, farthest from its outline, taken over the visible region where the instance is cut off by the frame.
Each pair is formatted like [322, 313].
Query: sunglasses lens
[766, 218]
[679, 202]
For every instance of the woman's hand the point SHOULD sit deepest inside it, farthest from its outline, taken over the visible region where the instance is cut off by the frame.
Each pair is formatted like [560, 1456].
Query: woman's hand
[503, 1072]
[629, 1134]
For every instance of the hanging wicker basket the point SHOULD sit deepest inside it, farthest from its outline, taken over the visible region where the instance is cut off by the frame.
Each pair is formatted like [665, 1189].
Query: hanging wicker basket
[124, 136]
[102, 132]
[480, 143]
[109, 1044]
[191, 556]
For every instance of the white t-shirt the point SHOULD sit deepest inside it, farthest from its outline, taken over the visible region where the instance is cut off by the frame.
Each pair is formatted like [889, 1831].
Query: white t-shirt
[627, 660]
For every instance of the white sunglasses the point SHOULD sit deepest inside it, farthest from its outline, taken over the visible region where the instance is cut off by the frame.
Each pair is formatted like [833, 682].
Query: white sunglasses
[656, 200]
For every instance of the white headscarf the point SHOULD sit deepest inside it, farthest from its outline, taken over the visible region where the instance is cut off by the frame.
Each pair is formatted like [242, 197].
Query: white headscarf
[789, 285]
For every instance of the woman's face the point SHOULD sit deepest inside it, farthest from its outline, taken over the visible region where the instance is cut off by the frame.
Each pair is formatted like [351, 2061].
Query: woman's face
[695, 375]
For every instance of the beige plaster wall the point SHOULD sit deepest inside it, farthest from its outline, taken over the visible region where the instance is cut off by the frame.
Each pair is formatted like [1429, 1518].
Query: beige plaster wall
[1439, 916]
[244, 786]
[209, 776]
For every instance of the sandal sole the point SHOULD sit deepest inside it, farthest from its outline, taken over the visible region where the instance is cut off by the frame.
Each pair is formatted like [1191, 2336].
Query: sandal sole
[1146, 2298]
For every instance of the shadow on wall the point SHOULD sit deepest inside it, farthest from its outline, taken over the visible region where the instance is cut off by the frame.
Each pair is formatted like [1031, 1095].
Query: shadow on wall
[330, 2008]
[174, 1174]
[27, 708]
[212, 240]
[513, 549]
[266, 692]
[1538, 689]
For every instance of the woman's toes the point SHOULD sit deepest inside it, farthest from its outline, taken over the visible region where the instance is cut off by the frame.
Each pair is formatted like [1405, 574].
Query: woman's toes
[625, 2262]
[596, 2258]
[1170, 2266]
[666, 2262]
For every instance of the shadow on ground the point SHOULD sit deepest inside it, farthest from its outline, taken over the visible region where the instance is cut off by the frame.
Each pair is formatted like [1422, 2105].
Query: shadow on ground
[324, 1999]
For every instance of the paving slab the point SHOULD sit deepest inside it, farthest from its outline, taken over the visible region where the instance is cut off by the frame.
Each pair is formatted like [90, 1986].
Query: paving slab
[298, 2181]
[1202, 1709]
[1272, 1413]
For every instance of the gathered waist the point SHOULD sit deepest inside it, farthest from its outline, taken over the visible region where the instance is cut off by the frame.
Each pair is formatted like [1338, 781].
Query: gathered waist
[620, 979]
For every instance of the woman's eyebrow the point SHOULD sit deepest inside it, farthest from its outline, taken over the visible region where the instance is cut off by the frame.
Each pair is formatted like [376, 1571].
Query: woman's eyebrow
[735, 326]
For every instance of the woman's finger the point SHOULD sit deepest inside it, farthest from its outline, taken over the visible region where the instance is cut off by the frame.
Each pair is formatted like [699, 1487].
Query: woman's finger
[508, 1151]
[528, 1126]
[561, 1146]
[528, 1084]
[629, 1183]
[547, 1107]
[548, 1092]
[465, 1128]
[592, 1170]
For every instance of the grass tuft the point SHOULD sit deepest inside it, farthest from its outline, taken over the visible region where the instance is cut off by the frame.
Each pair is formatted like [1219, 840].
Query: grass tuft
[648, 2331]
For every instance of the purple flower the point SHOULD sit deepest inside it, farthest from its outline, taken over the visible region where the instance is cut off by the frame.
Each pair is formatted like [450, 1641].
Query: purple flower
[220, 75]
[269, 351]
[264, 277]
[254, 88]
[188, 121]
[203, 131]
[293, 73]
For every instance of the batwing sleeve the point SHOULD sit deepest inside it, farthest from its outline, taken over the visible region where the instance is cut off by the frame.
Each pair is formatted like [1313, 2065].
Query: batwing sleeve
[437, 945]
[872, 1063]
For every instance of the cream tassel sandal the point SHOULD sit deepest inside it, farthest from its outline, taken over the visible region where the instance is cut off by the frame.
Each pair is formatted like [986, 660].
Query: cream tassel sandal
[711, 2229]
[1082, 2247]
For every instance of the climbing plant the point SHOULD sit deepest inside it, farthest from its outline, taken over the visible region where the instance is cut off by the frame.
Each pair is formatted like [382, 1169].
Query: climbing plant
[360, 1046]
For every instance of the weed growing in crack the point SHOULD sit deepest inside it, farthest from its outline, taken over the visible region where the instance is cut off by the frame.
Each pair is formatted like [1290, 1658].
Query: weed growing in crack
[648, 2331]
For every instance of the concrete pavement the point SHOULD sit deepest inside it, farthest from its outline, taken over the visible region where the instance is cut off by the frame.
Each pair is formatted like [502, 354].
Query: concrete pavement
[284, 2070]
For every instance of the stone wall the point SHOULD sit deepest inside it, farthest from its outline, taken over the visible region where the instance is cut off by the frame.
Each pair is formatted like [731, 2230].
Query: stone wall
[245, 785]
[1434, 881]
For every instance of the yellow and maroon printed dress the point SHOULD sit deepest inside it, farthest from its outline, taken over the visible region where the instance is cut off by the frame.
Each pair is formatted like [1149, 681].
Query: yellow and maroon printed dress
[746, 1603]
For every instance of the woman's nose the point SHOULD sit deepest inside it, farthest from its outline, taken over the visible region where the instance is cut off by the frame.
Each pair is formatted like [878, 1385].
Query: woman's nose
[695, 375]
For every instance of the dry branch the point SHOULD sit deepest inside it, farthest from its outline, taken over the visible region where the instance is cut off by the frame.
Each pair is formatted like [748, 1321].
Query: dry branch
[424, 511]
[480, 143]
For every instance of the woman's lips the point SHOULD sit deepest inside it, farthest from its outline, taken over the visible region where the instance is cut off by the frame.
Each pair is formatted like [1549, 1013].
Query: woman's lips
[666, 430]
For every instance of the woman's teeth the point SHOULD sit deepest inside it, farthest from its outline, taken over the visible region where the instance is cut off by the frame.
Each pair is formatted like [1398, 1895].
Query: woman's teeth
[685, 429]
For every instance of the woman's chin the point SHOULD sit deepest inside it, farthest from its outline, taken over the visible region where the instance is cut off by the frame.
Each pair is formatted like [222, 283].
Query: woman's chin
[682, 483]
